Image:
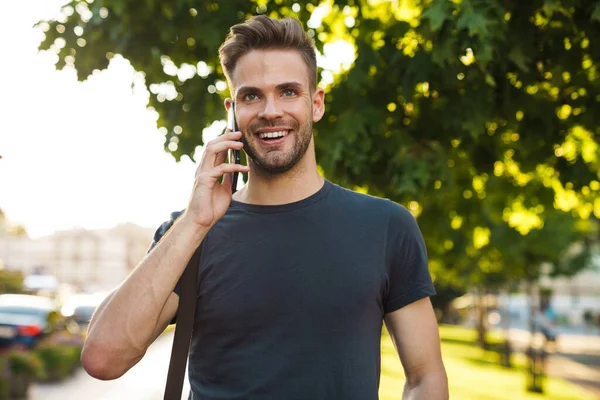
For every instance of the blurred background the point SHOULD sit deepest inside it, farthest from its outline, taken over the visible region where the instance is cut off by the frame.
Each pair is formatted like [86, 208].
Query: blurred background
[478, 116]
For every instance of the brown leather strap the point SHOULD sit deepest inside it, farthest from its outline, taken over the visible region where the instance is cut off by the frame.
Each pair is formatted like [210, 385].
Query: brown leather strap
[186, 311]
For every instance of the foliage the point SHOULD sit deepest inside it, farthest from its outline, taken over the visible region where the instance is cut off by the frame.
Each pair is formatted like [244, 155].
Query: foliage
[4, 379]
[26, 362]
[59, 360]
[18, 230]
[4, 388]
[8, 229]
[481, 116]
[11, 281]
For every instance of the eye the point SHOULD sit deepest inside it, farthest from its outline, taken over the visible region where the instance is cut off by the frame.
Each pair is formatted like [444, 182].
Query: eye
[250, 96]
[289, 92]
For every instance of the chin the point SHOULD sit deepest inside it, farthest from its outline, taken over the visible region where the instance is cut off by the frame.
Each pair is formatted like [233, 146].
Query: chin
[274, 169]
[274, 166]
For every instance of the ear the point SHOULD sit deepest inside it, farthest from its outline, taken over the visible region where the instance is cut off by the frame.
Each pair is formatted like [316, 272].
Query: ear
[228, 101]
[318, 102]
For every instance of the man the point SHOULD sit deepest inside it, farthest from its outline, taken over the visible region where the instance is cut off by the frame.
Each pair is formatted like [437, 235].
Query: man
[297, 274]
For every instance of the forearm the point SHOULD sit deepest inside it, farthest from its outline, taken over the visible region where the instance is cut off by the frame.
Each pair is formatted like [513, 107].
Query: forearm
[431, 386]
[125, 324]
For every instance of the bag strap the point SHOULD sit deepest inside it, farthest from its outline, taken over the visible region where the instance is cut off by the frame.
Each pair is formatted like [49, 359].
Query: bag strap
[186, 311]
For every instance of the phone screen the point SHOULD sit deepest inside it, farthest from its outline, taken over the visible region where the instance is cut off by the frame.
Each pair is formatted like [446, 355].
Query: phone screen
[234, 155]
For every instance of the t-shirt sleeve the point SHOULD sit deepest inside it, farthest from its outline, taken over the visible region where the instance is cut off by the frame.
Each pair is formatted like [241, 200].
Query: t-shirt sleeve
[408, 278]
[160, 232]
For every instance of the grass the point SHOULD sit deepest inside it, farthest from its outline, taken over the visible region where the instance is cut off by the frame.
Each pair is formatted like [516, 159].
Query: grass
[474, 373]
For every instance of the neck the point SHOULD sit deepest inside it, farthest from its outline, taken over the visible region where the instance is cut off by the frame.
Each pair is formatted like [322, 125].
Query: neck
[300, 182]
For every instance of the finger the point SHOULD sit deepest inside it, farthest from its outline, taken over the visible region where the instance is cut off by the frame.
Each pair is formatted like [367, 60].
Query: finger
[221, 169]
[213, 148]
[227, 180]
[216, 173]
[221, 157]
[227, 135]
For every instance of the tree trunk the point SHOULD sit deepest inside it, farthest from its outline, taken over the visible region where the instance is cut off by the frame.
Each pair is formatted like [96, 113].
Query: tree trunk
[536, 356]
[532, 311]
[507, 350]
[481, 322]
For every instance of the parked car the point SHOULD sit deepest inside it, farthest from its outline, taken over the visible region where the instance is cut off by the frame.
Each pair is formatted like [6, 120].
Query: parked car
[80, 307]
[25, 319]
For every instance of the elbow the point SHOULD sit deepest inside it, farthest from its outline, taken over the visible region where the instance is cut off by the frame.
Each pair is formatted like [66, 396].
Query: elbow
[427, 385]
[96, 361]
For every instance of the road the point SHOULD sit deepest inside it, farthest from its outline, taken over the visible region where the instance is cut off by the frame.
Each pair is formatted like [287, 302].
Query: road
[145, 381]
[577, 359]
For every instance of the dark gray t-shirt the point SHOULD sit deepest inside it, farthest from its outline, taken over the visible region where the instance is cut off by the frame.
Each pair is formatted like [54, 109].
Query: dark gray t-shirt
[291, 297]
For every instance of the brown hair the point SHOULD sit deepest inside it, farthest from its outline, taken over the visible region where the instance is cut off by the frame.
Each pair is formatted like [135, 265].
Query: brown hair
[260, 33]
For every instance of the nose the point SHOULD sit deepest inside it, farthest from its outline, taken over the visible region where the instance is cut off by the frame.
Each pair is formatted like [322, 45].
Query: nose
[272, 110]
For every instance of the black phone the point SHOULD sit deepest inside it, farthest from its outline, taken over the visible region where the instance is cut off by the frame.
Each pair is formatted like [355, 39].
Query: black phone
[234, 155]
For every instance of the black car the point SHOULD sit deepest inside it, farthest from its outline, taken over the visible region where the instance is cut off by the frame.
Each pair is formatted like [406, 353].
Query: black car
[24, 319]
[80, 307]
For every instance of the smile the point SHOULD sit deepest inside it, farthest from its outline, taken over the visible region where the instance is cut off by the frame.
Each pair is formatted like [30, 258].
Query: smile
[272, 135]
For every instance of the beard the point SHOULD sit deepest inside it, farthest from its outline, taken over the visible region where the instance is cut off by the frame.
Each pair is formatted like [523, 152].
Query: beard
[276, 162]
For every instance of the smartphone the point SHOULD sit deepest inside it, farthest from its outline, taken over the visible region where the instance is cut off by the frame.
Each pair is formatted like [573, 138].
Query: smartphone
[233, 155]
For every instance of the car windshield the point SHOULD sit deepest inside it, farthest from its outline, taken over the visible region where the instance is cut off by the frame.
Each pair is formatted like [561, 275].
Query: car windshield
[12, 315]
[85, 312]
[34, 312]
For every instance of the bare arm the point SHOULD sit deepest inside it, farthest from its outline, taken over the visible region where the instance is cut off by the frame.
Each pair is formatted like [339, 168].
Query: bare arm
[415, 334]
[165, 318]
[133, 316]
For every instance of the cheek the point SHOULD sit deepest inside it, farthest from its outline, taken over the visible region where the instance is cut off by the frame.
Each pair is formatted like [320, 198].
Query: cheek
[301, 111]
[244, 119]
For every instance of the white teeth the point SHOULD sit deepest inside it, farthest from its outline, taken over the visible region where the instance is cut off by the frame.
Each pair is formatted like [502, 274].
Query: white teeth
[273, 134]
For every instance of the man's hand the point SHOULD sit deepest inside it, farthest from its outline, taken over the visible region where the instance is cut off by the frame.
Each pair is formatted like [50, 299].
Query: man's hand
[131, 318]
[210, 198]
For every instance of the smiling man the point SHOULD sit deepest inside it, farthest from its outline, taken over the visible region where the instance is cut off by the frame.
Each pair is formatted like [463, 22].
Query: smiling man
[297, 274]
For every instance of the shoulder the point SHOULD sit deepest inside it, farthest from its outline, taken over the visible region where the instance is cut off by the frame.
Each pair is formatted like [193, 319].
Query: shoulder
[397, 214]
[165, 226]
[361, 200]
[400, 216]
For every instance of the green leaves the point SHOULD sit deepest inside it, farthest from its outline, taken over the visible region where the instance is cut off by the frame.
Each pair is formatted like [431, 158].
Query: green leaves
[461, 115]
[596, 13]
[440, 11]
[517, 56]
[549, 7]
[473, 21]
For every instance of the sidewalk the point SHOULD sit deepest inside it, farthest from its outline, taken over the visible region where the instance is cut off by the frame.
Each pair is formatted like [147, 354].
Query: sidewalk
[145, 381]
[575, 358]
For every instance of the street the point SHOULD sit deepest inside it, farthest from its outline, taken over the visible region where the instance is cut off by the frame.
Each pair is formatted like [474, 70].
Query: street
[577, 360]
[145, 381]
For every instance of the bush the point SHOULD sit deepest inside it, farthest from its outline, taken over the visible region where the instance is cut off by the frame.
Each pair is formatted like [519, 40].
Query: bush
[19, 369]
[59, 360]
[4, 378]
[11, 281]
[25, 362]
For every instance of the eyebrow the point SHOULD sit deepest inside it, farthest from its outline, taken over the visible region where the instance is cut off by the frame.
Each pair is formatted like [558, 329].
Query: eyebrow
[251, 89]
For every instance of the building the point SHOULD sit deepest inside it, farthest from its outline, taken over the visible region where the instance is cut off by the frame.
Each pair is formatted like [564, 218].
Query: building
[90, 260]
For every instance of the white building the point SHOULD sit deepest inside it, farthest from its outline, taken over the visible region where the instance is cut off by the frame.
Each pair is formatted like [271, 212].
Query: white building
[95, 260]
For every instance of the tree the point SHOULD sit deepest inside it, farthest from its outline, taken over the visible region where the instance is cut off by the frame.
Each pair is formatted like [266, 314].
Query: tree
[18, 230]
[11, 281]
[3, 223]
[481, 116]
[9, 229]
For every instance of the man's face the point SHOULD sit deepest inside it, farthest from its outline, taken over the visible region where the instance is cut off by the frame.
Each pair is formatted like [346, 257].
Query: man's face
[275, 107]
